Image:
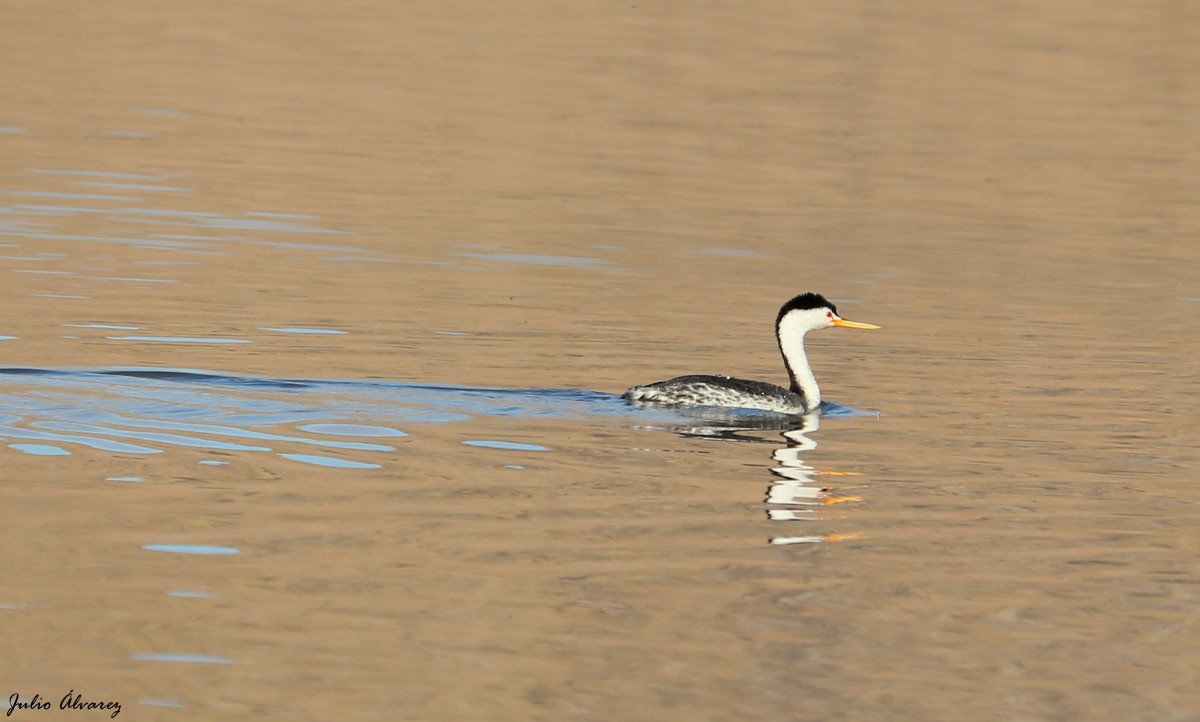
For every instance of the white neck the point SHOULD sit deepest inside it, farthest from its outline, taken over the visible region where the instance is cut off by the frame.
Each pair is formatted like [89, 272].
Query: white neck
[791, 344]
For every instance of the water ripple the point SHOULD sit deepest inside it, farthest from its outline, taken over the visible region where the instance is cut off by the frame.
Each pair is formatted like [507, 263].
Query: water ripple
[161, 409]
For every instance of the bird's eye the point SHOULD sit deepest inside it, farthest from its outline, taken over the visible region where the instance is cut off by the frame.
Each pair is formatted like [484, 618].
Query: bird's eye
[829, 314]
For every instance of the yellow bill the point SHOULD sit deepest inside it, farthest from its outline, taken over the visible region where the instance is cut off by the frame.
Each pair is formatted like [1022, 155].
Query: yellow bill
[852, 324]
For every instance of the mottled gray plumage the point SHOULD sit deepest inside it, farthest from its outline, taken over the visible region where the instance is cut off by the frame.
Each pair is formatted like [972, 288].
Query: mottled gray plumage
[723, 391]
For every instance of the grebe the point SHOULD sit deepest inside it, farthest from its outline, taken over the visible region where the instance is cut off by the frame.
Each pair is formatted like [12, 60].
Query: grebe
[804, 313]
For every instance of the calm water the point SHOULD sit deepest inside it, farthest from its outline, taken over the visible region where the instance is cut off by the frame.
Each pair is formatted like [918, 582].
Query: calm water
[315, 320]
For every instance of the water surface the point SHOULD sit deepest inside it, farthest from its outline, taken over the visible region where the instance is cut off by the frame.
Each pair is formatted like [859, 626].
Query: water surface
[315, 321]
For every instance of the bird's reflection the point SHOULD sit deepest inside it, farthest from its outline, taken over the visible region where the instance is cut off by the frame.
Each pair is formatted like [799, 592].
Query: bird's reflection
[796, 492]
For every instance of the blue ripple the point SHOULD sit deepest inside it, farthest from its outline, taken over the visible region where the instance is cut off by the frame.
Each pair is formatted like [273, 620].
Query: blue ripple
[101, 444]
[330, 461]
[179, 657]
[191, 549]
[174, 439]
[353, 430]
[40, 449]
[328, 331]
[507, 445]
[178, 339]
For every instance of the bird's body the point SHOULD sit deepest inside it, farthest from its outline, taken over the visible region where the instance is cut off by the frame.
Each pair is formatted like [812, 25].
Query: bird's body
[804, 313]
[718, 391]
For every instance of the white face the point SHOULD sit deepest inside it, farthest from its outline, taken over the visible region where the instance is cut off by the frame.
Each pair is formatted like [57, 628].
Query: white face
[800, 321]
[809, 319]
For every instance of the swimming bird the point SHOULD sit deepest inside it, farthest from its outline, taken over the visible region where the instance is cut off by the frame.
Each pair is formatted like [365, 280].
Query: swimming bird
[804, 313]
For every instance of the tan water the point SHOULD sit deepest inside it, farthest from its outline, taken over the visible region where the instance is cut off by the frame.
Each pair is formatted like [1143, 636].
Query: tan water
[586, 196]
